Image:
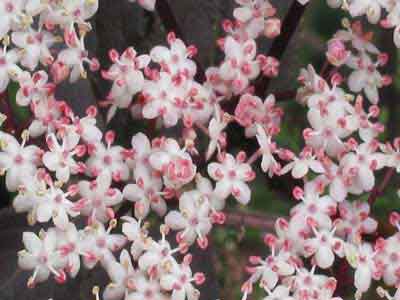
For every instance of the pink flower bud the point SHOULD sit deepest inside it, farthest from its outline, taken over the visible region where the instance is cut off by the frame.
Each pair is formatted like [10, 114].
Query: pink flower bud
[113, 55]
[110, 137]
[298, 193]
[199, 278]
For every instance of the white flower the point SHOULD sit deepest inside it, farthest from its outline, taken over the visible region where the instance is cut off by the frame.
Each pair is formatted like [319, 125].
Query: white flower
[267, 149]
[251, 111]
[215, 131]
[308, 284]
[68, 12]
[141, 150]
[269, 270]
[314, 207]
[231, 176]
[17, 159]
[35, 47]
[240, 65]
[74, 58]
[146, 194]
[193, 219]
[8, 67]
[362, 259]
[10, 13]
[136, 234]
[392, 154]
[108, 158]
[354, 220]
[81, 128]
[388, 258]
[205, 187]
[60, 159]
[98, 244]
[323, 246]
[300, 166]
[33, 88]
[46, 113]
[98, 198]
[360, 120]
[365, 77]
[30, 194]
[362, 163]
[40, 256]
[174, 163]
[56, 206]
[69, 248]
[127, 78]
[176, 59]
[370, 8]
[155, 256]
[123, 277]
[146, 289]
[253, 15]
[164, 98]
[179, 280]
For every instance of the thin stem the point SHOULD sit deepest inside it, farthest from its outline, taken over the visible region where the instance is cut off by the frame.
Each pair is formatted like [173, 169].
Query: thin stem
[379, 189]
[256, 155]
[253, 220]
[280, 44]
[284, 95]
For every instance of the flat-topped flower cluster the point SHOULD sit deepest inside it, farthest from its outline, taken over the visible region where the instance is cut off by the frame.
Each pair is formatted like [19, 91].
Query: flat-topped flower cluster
[64, 167]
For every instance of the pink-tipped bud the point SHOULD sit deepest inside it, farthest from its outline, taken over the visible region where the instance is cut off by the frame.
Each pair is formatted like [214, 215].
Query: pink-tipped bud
[227, 25]
[94, 65]
[270, 240]
[171, 37]
[202, 242]
[113, 55]
[110, 137]
[192, 51]
[337, 79]
[61, 277]
[241, 157]
[298, 193]
[199, 278]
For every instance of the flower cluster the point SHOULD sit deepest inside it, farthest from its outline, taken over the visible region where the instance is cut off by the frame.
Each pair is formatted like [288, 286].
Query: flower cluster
[65, 169]
[384, 12]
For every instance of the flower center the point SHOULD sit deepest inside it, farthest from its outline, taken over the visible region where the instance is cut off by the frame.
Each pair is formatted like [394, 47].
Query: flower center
[148, 294]
[97, 202]
[9, 7]
[18, 159]
[194, 221]
[101, 243]
[107, 159]
[232, 173]
[58, 198]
